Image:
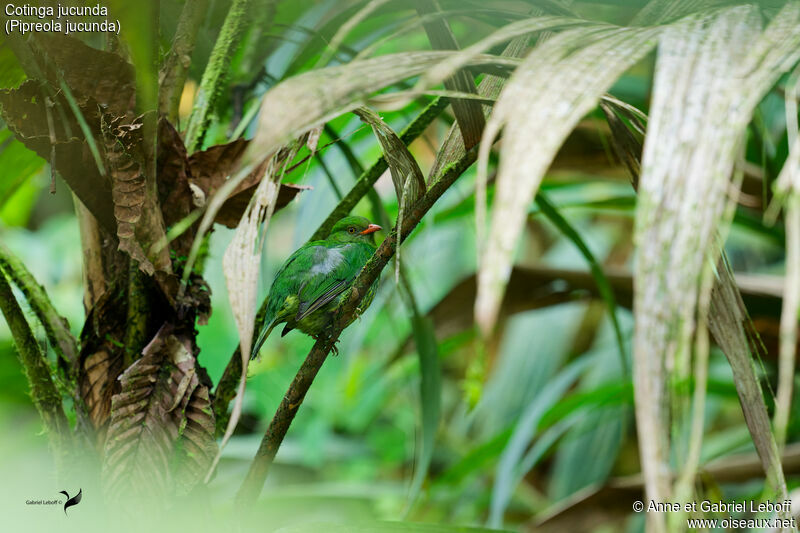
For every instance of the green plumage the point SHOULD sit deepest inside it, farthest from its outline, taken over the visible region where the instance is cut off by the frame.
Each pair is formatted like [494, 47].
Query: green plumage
[309, 287]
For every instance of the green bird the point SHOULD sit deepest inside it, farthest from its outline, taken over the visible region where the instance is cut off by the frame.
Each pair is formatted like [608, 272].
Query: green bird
[309, 287]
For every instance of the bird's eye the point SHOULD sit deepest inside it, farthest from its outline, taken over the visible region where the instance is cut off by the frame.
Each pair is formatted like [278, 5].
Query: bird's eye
[351, 230]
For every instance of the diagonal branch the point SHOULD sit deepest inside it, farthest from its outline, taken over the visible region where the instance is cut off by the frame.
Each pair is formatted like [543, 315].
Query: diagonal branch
[294, 396]
[226, 389]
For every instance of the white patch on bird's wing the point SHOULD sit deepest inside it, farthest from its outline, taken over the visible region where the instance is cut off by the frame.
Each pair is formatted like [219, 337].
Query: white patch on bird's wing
[326, 259]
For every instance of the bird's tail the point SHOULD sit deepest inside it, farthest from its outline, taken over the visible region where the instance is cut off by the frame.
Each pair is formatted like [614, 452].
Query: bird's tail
[261, 338]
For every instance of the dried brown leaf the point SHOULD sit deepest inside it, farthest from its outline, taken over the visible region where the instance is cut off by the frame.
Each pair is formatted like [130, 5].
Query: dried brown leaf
[160, 437]
[123, 142]
[211, 168]
[90, 73]
[101, 357]
[25, 111]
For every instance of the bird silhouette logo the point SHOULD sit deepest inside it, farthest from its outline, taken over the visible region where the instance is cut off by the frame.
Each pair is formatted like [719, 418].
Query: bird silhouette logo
[75, 500]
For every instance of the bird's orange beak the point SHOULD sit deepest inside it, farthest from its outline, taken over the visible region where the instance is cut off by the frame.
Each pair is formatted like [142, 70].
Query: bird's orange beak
[372, 228]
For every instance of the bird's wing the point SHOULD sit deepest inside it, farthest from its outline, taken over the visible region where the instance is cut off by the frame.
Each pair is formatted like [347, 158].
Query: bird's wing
[287, 282]
[331, 292]
[333, 271]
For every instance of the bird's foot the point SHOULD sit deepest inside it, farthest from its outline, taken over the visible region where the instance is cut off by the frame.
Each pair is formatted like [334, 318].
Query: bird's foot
[326, 335]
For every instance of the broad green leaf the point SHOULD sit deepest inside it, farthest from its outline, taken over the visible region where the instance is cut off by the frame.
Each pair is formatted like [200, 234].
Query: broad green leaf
[18, 164]
[11, 73]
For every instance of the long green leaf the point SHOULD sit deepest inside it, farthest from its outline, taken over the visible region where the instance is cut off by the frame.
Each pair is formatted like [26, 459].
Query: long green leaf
[506, 476]
[430, 389]
[603, 286]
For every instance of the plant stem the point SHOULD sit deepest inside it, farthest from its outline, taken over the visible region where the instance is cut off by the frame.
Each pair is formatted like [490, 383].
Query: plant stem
[176, 66]
[216, 72]
[253, 483]
[55, 326]
[44, 394]
[469, 113]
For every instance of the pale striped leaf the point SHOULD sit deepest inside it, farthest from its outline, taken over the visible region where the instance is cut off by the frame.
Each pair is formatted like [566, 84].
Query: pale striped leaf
[450, 65]
[788, 189]
[710, 73]
[299, 103]
[242, 264]
[560, 81]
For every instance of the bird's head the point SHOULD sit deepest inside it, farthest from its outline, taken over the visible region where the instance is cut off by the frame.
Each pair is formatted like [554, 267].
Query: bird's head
[353, 229]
